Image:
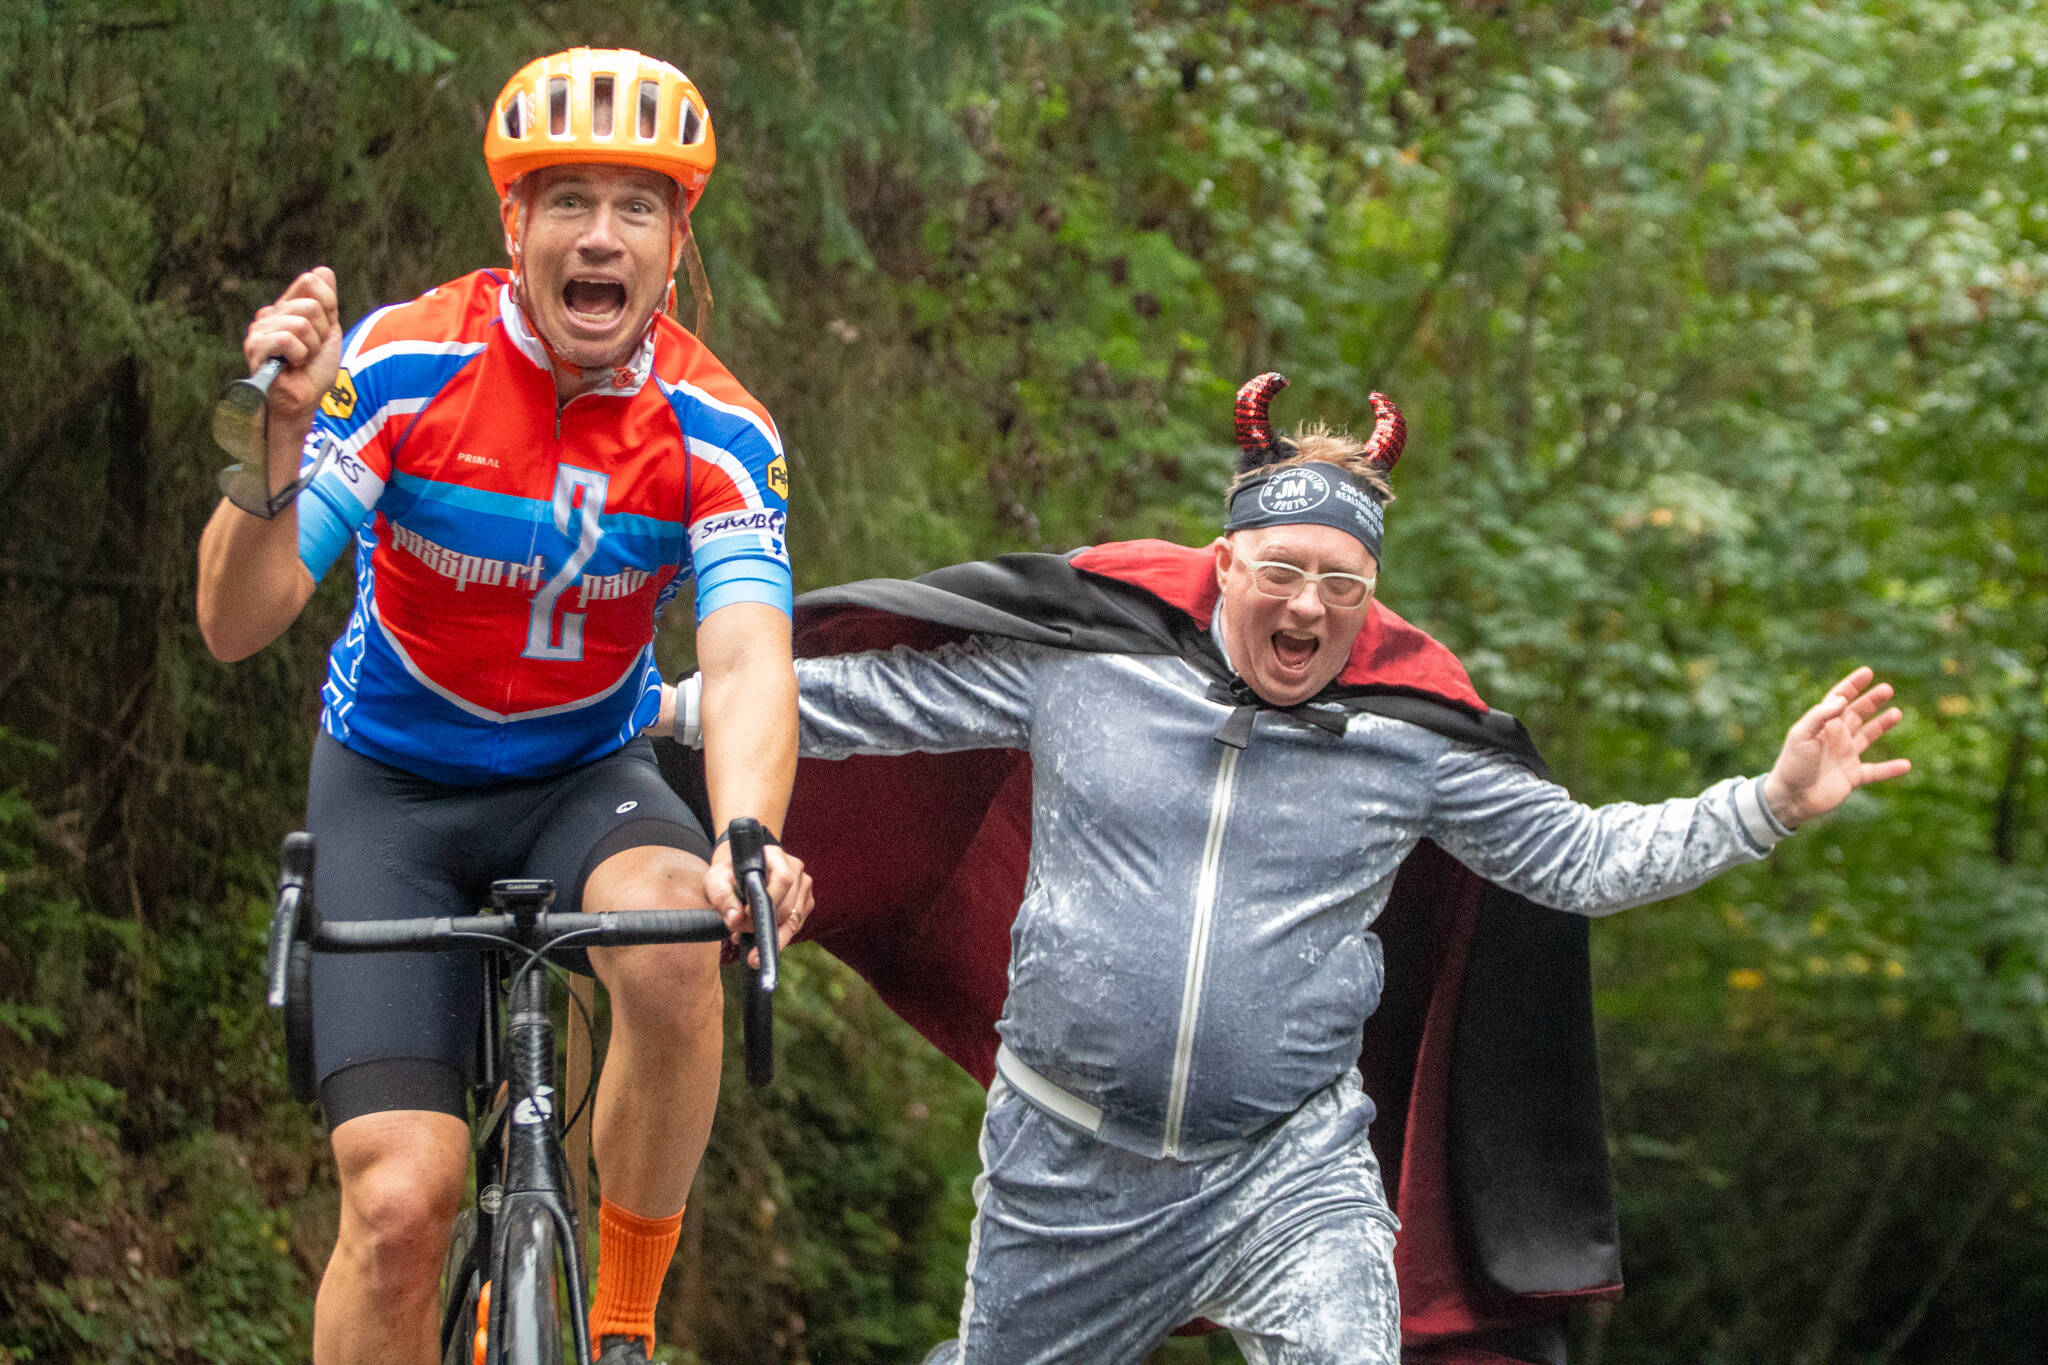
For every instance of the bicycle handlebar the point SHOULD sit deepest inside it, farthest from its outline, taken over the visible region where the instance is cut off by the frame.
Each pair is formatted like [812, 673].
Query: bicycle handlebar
[471, 933]
[288, 919]
[282, 921]
[521, 921]
[750, 862]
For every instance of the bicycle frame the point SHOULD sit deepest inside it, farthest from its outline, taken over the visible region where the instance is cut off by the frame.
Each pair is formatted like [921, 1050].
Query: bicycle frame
[521, 1171]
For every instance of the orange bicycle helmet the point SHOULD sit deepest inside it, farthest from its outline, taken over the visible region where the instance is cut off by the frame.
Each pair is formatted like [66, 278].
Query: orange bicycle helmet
[610, 106]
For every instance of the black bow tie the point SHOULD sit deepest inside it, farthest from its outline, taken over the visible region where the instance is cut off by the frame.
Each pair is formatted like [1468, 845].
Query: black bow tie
[1236, 730]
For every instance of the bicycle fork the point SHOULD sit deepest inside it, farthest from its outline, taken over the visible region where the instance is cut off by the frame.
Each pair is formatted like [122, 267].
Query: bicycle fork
[533, 1191]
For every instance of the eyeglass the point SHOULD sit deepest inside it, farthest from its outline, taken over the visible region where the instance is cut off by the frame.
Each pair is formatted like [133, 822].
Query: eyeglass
[1273, 578]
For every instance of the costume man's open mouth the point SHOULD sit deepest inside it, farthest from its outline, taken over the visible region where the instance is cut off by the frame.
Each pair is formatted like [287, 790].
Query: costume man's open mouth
[1294, 650]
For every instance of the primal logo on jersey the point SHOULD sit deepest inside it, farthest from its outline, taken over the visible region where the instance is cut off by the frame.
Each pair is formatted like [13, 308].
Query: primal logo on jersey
[340, 401]
[778, 478]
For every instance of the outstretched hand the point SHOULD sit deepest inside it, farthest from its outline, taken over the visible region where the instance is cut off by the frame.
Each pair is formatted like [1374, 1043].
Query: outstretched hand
[1822, 761]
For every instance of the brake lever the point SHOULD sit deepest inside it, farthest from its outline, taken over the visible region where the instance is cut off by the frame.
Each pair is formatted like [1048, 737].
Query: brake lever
[750, 867]
[282, 919]
[293, 917]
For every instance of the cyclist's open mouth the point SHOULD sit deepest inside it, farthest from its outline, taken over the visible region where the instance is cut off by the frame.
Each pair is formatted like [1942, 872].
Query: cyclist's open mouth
[595, 303]
[1293, 650]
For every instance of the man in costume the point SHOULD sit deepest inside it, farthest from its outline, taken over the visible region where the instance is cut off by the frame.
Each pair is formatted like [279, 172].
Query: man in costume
[529, 466]
[1228, 754]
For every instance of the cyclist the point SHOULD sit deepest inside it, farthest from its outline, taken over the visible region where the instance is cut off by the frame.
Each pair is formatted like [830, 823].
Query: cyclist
[1231, 751]
[529, 465]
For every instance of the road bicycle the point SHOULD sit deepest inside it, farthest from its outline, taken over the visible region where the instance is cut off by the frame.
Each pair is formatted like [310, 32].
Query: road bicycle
[520, 1239]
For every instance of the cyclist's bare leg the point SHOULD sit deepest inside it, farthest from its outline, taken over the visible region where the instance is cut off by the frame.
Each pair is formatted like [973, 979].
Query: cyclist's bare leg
[659, 1088]
[403, 1174]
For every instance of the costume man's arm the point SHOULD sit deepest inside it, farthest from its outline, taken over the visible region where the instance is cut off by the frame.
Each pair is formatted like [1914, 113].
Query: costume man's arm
[976, 694]
[1515, 828]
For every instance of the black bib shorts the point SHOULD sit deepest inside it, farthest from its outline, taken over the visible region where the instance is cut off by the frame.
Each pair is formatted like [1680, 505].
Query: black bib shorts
[399, 1030]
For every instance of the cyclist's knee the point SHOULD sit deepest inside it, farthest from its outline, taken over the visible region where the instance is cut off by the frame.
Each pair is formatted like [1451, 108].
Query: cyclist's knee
[647, 878]
[672, 985]
[402, 1177]
[675, 985]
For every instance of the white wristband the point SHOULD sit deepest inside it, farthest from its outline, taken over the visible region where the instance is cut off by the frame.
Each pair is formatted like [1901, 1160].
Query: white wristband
[690, 711]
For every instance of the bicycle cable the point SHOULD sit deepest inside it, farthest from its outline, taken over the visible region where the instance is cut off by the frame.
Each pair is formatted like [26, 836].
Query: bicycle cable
[589, 1024]
[538, 957]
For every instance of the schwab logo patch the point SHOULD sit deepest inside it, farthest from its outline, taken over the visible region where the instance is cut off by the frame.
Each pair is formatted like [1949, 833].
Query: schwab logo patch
[340, 401]
[1295, 491]
[778, 477]
[757, 519]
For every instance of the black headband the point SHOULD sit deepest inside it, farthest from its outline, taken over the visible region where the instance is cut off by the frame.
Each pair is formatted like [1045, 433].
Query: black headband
[1316, 494]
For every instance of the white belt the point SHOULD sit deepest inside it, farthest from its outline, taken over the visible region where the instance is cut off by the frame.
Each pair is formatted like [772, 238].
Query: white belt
[1045, 1094]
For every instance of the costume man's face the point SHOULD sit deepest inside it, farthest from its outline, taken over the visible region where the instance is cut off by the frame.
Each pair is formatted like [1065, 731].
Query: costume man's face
[1289, 650]
[594, 259]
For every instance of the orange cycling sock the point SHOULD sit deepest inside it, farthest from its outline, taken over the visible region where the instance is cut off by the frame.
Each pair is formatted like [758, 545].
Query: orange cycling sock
[632, 1258]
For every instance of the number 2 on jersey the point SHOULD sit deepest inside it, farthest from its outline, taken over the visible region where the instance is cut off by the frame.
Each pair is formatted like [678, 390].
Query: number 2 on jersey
[544, 638]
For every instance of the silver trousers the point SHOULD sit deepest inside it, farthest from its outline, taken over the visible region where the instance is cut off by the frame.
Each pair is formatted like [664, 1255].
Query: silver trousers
[1083, 1252]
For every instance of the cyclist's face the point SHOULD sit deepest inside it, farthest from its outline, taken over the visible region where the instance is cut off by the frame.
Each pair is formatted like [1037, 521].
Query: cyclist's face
[594, 259]
[1289, 649]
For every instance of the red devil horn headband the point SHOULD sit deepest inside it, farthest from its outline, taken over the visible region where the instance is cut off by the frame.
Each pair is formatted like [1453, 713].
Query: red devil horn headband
[1389, 432]
[1257, 445]
[1254, 430]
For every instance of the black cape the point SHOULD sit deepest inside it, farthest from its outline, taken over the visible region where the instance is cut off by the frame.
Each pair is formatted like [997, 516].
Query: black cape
[1480, 1056]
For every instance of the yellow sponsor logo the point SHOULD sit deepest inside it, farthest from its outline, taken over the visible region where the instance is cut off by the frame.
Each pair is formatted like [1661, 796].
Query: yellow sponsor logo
[341, 399]
[778, 477]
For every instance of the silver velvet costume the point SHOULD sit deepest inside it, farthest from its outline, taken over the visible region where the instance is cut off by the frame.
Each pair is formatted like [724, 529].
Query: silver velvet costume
[1191, 969]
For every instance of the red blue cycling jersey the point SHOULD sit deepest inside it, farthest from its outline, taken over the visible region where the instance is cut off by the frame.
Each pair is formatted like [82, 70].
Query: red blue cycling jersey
[513, 555]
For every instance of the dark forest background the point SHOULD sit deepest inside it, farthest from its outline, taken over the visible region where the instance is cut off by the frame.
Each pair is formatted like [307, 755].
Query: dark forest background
[1721, 329]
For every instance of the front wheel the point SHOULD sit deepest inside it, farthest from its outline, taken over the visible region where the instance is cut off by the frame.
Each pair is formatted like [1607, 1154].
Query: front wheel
[461, 1283]
[525, 1313]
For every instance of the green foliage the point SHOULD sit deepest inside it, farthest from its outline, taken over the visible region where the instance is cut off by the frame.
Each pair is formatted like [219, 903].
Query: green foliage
[114, 1247]
[1719, 327]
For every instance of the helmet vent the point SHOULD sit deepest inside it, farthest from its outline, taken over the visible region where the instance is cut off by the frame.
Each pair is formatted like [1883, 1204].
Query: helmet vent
[693, 125]
[517, 117]
[558, 106]
[650, 108]
[600, 106]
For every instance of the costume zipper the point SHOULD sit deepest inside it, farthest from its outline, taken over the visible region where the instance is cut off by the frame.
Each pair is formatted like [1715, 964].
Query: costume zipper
[1198, 949]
